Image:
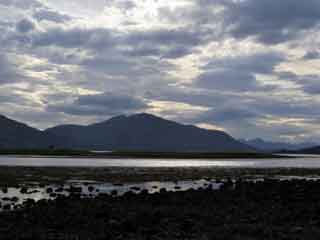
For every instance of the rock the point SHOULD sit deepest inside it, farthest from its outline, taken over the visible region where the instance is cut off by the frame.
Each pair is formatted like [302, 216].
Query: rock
[24, 190]
[49, 190]
[135, 188]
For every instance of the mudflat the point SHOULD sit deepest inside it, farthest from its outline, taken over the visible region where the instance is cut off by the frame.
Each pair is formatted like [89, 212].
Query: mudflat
[17, 176]
[269, 209]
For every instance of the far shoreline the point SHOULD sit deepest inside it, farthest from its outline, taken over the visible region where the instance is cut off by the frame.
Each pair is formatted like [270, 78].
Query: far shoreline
[66, 153]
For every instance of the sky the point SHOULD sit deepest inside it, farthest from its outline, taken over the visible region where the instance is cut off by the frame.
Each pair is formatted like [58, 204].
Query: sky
[248, 67]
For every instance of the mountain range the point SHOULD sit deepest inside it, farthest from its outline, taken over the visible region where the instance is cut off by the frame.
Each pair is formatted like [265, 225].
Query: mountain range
[14, 134]
[139, 132]
[268, 146]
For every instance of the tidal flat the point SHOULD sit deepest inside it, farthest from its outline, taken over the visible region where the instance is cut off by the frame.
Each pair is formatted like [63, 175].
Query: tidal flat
[269, 209]
[33, 176]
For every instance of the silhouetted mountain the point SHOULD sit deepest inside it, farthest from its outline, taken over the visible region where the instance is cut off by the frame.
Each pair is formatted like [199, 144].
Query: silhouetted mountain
[312, 150]
[145, 132]
[267, 146]
[14, 134]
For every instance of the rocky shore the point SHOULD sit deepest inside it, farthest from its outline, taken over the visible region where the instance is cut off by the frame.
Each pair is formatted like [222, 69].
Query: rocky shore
[21, 176]
[269, 209]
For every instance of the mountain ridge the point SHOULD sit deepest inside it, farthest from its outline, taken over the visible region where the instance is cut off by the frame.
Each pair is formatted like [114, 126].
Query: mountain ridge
[147, 132]
[14, 134]
[138, 132]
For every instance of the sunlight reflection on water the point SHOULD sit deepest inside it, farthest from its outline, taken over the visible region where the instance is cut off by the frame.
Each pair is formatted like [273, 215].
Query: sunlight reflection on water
[300, 162]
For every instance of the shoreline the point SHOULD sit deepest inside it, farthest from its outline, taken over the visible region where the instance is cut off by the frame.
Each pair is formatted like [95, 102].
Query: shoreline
[20, 176]
[139, 155]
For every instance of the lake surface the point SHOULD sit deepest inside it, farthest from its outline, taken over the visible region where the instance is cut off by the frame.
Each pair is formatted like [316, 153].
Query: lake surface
[303, 161]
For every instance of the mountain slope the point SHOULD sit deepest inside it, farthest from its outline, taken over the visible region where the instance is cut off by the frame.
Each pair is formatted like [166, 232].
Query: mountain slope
[14, 134]
[145, 132]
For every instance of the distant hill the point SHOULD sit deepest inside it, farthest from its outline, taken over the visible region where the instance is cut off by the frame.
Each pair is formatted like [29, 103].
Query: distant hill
[14, 134]
[268, 146]
[146, 132]
[312, 150]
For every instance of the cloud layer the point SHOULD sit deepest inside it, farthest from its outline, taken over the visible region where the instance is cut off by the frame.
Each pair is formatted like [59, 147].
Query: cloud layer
[250, 67]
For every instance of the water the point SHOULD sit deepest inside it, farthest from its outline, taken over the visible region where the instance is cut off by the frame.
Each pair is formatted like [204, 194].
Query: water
[38, 193]
[302, 161]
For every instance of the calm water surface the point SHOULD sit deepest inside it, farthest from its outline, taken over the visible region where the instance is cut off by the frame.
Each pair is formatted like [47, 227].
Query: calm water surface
[303, 161]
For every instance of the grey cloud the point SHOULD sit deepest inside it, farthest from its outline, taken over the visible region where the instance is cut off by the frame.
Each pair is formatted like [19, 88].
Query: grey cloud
[312, 87]
[271, 21]
[263, 63]
[13, 99]
[168, 53]
[22, 4]
[137, 61]
[122, 4]
[310, 84]
[9, 70]
[98, 38]
[238, 73]
[111, 66]
[187, 95]
[177, 52]
[231, 80]
[25, 26]
[165, 37]
[105, 104]
[143, 51]
[286, 107]
[311, 55]
[163, 43]
[50, 15]
[221, 116]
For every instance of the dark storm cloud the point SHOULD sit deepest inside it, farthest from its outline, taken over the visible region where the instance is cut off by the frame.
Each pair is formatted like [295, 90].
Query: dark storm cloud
[238, 73]
[25, 25]
[50, 15]
[271, 22]
[105, 104]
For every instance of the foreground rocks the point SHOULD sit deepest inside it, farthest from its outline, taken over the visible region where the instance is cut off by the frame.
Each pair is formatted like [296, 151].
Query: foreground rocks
[246, 210]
